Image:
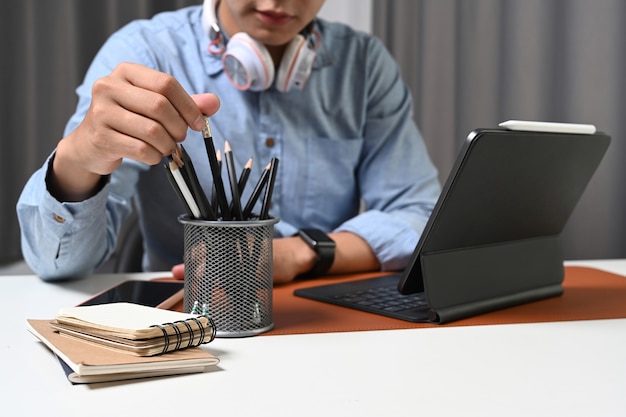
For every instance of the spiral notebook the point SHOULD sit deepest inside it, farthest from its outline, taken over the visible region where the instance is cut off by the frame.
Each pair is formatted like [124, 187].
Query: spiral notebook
[135, 329]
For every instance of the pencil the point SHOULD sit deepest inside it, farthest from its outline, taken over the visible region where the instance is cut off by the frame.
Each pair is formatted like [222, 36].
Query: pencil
[215, 170]
[232, 176]
[218, 156]
[182, 185]
[189, 173]
[243, 179]
[179, 193]
[247, 211]
[269, 190]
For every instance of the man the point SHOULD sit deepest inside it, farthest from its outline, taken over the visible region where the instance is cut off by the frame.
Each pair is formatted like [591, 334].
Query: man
[336, 114]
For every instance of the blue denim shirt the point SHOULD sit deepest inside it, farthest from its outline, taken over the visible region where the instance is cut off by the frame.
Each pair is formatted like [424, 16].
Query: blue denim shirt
[351, 156]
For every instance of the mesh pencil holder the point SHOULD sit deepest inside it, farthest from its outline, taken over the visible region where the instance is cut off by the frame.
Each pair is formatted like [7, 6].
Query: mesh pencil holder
[229, 273]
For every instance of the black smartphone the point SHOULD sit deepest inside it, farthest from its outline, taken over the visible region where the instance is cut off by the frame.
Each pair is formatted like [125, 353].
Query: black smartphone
[148, 293]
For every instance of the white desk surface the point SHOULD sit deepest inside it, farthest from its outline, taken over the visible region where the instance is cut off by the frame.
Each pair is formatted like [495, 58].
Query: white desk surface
[549, 369]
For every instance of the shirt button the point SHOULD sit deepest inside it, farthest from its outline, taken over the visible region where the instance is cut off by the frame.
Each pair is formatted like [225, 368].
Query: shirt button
[59, 219]
[269, 142]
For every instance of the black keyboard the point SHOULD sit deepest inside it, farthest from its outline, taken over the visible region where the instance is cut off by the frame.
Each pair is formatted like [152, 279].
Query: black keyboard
[378, 295]
[383, 298]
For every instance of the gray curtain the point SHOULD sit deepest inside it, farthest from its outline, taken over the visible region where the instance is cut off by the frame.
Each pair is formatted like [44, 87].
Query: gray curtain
[46, 48]
[475, 63]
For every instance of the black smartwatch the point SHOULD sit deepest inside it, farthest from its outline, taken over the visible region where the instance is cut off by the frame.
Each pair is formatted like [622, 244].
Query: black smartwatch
[324, 246]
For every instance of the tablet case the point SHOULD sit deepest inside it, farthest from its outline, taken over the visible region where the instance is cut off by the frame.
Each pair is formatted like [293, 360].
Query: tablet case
[493, 239]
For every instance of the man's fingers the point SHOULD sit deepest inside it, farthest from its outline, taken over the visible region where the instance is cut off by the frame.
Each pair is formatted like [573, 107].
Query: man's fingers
[166, 86]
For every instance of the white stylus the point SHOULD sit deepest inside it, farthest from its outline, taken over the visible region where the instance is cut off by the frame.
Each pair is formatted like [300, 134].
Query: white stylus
[551, 127]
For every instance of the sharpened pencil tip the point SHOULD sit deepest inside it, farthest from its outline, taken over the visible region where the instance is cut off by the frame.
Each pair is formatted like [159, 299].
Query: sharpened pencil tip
[177, 156]
[172, 165]
[227, 147]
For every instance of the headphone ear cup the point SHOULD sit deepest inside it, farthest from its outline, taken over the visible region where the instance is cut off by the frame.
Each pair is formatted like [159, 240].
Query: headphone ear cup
[247, 63]
[295, 66]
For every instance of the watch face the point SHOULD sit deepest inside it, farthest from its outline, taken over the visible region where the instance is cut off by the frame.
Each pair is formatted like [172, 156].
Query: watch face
[325, 248]
[316, 237]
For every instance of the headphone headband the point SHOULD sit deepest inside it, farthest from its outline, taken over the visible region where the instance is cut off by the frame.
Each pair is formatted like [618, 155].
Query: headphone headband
[209, 21]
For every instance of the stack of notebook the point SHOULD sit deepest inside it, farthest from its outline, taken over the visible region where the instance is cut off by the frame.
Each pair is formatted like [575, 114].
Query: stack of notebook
[118, 341]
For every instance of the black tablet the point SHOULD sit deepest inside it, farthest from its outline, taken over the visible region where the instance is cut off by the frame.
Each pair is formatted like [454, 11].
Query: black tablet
[148, 293]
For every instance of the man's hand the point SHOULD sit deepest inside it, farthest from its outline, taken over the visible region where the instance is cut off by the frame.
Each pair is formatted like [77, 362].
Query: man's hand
[137, 113]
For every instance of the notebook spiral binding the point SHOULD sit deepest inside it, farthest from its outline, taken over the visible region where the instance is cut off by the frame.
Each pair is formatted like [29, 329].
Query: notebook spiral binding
[192, 342]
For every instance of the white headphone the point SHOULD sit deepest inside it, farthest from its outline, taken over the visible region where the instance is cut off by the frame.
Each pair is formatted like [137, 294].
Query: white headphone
[248, 64]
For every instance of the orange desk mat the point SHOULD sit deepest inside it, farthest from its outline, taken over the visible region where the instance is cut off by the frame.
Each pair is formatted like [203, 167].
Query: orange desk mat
[589, 294]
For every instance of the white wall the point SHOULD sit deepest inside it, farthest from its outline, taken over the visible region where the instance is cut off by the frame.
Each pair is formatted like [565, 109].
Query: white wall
[356, 13]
